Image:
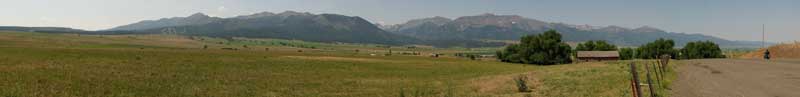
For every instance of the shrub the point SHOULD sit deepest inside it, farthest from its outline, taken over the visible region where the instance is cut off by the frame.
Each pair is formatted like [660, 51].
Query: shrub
[472, 57]
[522, 85]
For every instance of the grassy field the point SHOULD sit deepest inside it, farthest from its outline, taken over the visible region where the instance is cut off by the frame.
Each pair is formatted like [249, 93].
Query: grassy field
[38, 64]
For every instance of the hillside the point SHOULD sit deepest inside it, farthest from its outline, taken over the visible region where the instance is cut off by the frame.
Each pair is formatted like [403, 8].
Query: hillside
[194, 19]
[286, 25]
[786, 50]
[39, 29]
[511, 27]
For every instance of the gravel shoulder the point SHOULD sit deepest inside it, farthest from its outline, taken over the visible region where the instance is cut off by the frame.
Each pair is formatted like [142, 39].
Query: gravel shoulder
[737, 78]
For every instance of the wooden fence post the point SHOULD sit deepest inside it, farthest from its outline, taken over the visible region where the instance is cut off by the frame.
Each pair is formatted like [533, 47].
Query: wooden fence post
[638, 90]
[633, 89]
[649, 81]
[665, 61]
[658, 75]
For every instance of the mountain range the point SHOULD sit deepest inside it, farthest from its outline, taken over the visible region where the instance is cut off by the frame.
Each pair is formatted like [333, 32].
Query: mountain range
[485, 30]
[194, 19]
[512, 27]
[285, 25]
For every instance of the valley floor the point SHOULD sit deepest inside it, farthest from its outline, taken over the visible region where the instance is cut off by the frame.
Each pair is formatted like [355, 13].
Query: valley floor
[39, 64]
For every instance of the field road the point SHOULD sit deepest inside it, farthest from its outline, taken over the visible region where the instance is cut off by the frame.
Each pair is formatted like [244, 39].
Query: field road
[738, 78]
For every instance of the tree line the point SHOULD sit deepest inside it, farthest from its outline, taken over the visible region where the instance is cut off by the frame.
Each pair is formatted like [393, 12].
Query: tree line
[547, 49]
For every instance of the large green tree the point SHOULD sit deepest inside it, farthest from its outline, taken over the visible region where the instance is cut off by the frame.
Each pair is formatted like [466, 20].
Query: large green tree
[627, 53]
[700, 50]
[656, 48]
[542, 49]
[596, 45]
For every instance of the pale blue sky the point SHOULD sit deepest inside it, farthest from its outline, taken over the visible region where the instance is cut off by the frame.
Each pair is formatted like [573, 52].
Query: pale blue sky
[730, 19]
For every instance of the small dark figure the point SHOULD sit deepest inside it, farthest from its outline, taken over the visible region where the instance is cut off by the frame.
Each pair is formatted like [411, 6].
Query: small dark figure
[766, 54]
[266, 49]
[205, 46]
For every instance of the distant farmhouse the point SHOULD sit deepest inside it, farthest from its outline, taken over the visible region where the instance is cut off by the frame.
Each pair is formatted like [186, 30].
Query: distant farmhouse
[587, 56]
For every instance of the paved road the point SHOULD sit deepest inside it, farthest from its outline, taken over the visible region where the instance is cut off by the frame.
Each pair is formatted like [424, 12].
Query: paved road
[738, 78]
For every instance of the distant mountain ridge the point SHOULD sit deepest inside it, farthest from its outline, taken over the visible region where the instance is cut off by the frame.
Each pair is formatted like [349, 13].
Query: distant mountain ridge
[285, 25]
[40, 29]
[512, 27]
[194, 19]
[485, 30]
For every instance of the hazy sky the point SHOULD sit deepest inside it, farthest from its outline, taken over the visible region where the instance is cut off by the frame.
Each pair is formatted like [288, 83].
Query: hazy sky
[730, 19]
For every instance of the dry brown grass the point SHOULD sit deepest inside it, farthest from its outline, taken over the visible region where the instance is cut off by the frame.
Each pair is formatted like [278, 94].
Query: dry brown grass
[503, 84]
[786, 50]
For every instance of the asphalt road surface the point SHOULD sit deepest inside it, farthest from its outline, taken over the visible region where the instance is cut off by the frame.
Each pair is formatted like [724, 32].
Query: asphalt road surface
[738, 78]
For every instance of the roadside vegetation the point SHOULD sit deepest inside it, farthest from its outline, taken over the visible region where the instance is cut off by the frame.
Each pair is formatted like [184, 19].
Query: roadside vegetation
[655, 49]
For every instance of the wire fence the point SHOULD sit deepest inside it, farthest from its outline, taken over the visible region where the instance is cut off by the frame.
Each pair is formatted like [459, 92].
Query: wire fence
[654, 77]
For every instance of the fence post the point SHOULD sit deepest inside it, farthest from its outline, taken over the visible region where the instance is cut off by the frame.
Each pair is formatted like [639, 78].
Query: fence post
[637, 88]
[633, 89]
[665, 61]
[658, 75]
[649, 81]
[659, 68]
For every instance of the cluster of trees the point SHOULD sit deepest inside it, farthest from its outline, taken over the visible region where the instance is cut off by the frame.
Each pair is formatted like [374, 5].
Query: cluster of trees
[692, 50]
[547, 49]
[656, 48]
[595, 45]
[627, 53]
[543, 49]
[701, 49]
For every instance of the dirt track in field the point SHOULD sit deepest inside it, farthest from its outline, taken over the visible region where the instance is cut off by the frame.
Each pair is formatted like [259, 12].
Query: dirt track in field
[738, 78]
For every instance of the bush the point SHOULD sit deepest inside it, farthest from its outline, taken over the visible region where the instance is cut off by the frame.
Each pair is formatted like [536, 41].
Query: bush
[522, 85]
[543, 49]
[700, 50]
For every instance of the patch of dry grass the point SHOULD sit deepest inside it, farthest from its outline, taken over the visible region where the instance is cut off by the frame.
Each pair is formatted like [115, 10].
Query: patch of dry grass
[786, 50]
